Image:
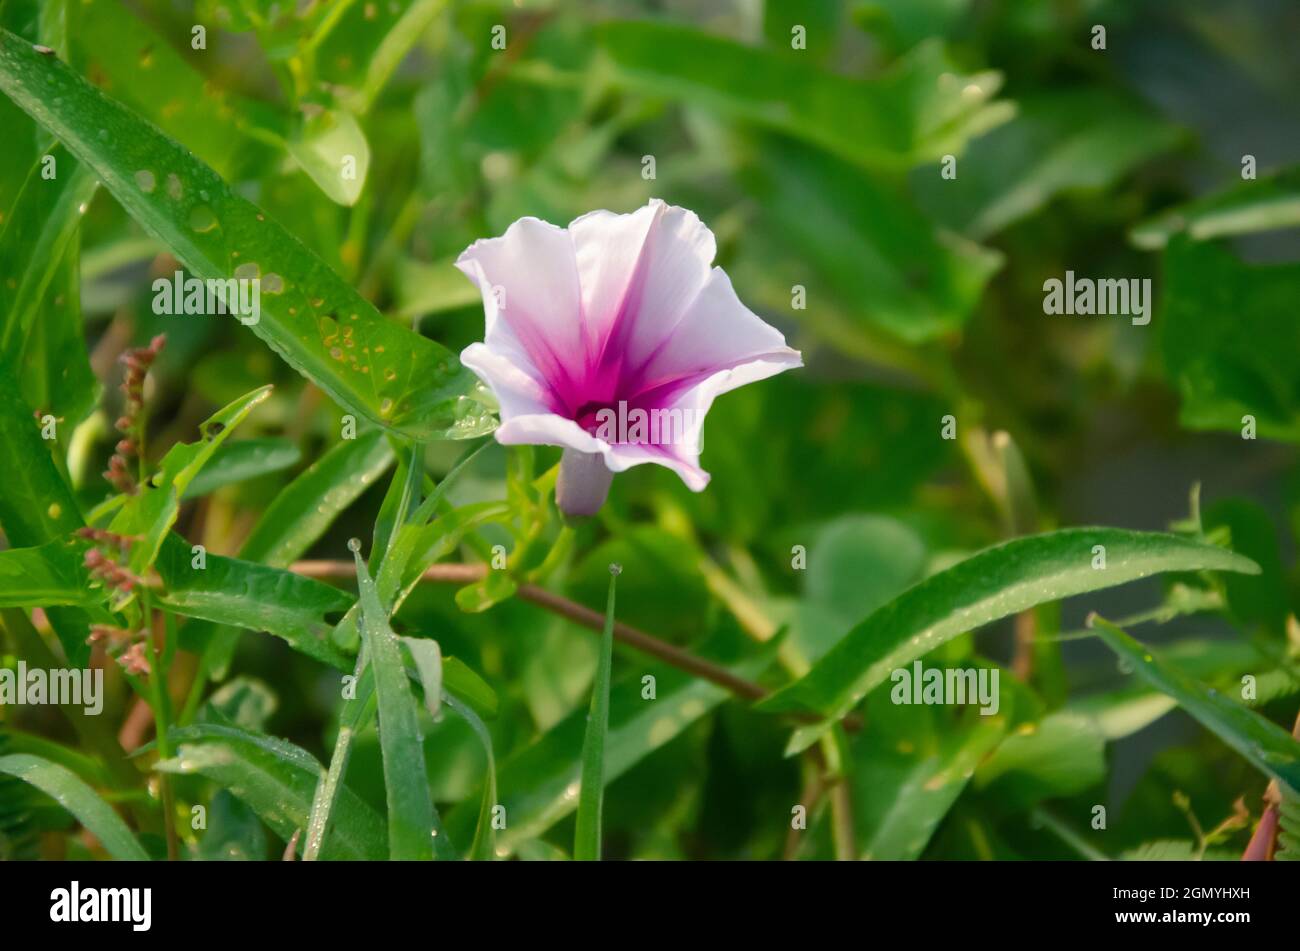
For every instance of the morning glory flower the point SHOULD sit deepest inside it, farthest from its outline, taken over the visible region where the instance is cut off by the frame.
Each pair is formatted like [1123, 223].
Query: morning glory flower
[611, 338]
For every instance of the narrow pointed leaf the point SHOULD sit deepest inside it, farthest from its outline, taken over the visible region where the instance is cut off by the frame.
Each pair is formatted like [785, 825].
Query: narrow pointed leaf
[241, 460]
[1267, 746]
[995, 583]
[255, 597]
[356, 711]
[277, 780]
[413, 831]
[483, 848]
[71, 792]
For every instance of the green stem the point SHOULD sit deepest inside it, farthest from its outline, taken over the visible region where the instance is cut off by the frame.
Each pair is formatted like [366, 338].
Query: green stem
[160, 703]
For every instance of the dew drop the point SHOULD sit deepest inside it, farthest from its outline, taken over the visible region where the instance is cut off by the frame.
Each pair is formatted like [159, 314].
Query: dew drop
[354, 544]
[390, 374]
[144, 178]
[336, 353]
[247, 271]
[385, 406]
[174, 189]
[273, 284]
[54, 511]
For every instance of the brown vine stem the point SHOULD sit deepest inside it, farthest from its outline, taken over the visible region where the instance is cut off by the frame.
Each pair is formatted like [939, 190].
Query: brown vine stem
[582, 615]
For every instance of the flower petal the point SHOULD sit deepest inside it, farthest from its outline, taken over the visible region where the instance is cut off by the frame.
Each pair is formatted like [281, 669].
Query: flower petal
[638, 273]
[681, 460]
[529, 281]
[717, 333]
[511, 377]
[547, 429]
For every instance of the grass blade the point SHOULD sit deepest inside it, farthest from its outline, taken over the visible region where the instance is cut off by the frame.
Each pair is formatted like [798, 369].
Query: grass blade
[355, 712]
[72, 793]
[276, 779]
[591, 796]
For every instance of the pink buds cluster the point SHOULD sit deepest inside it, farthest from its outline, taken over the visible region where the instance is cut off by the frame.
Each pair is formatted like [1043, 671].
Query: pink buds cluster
[133, 660]
[114, 575]
[129, 424]
[104, 537]
[126, 646]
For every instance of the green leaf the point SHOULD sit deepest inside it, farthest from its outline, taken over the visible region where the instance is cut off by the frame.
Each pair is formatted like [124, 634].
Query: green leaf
[995, 583]
[333, 150]
[257, 597]
[919, 110]
[355, 712]
[242, 460]
[1219, 366]
[483, 848]
[1288, 833]
[427, 658]
[276, 779]
[1263, 743]
[459, 679]
[1176, 850]
[309, 315]
[413, 831]
[49, 574]
[591, 791]
[1247, 207]
[62, 785]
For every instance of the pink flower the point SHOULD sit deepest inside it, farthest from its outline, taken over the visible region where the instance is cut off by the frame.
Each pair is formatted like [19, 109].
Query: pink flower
[611, 339]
